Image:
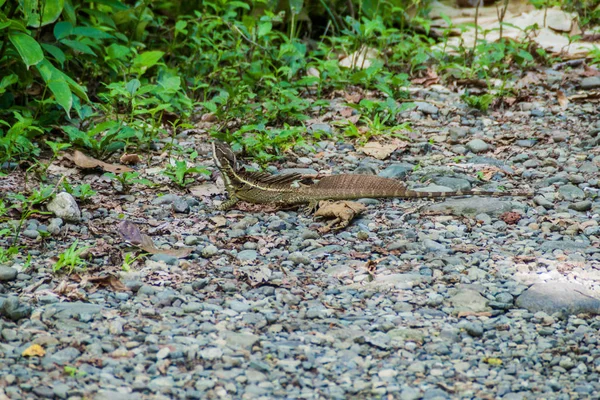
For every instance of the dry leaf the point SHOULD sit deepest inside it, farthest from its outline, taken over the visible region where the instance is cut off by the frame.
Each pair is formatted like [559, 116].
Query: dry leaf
[205, 190]
[219, 221]
[35, 350]
[87, 162]
[378, 150]
[130, 159]
[131, 233]
[562, 99]
[109, 281]
[342, 212]
[361, 59]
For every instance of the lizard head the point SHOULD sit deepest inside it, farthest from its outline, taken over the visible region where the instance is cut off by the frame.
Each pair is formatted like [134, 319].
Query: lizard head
[223, 155]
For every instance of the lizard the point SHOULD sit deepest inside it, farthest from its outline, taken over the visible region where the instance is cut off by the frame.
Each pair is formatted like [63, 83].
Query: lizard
[264, 188]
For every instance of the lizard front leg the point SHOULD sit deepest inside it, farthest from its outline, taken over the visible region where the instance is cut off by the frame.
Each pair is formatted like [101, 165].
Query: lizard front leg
[227, 204]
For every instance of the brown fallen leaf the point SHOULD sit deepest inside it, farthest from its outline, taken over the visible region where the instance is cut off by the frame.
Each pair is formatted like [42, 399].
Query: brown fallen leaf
[378, 150]
[130, 159]
[562, 99]
[109, 281]
[205, 190]
[342, 212]
[35, 350]
[131, 233]
[87, 162]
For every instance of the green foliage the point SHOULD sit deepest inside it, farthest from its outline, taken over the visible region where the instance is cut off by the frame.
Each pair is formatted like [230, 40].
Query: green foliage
[480, 102]
[180, 172]
[83, 192]
[70, 260]
[128, 179]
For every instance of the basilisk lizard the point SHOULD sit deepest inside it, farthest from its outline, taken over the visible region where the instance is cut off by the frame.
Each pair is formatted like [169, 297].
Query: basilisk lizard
[263, 188]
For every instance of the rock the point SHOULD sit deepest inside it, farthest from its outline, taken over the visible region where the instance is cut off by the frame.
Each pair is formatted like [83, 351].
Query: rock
[64, 206]
[181, 206]
[584, 205]
[563, 297]
[590, 82]
[247, 255]
[571, 192]
[478, 146]
[426, 108]
[565, 245]
[74, 309]
[7, 274]
[453, 183]
[210, 250]
[457, 134]
[319, 127]
[240, 340]
[65, 356]
[471, 207]
[14, 310]
[469, 300]
[397, 171]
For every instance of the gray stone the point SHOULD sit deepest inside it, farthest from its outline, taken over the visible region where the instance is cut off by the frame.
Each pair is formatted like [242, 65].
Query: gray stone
[114, 395]
[469, 300]
[74, 309]
[319, 127]
[478, 146]
[161, 384]
[299, 258]
[571, 192]
[60, 390]
[7, 274]
[210, 250]
[426, 108]
[584, 205]
[453, 183]
[211, 353]
[181, 206]
[590, 82]
[563, 297]
[31, 233]
[565, 245]
[169, 198]
[43, 392]
[247, 255]
[456, 134]
[64, 206]
[240, 340]
[65, 356]
[397, 171]
[471, 206]
[14, 310]
[165, 258]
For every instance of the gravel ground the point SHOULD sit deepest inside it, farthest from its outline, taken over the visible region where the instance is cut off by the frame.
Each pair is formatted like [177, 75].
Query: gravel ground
[465, 298]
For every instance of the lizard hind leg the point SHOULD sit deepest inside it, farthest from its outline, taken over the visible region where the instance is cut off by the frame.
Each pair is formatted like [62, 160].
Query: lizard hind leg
[226, 205]
[311, 207]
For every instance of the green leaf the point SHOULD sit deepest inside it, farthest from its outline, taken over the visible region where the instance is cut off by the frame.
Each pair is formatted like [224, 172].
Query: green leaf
[46, 70]
[91, 32]
[146, 60]
[62, 92]
[5, 25]
[52, 10]
[264, 28]
[132, 86]
[78, 46]
[62, 30]
[7, 81]
[55, 52]
[29, 49]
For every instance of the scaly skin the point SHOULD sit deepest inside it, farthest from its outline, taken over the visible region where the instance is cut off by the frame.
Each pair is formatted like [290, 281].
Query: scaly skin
[277, 190]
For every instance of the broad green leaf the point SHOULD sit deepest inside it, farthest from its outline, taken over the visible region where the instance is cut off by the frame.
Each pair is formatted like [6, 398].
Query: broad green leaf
[46, 70]
[146, 60]
[117, 52]
[51, 10]
[29, 49]
[7, 81]
[78, 46]
[264, 28]
[55, 52]
[5, 25]
[132, 86]
[62, 30]
[90, 32]
[62, 93]
[69, 12]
